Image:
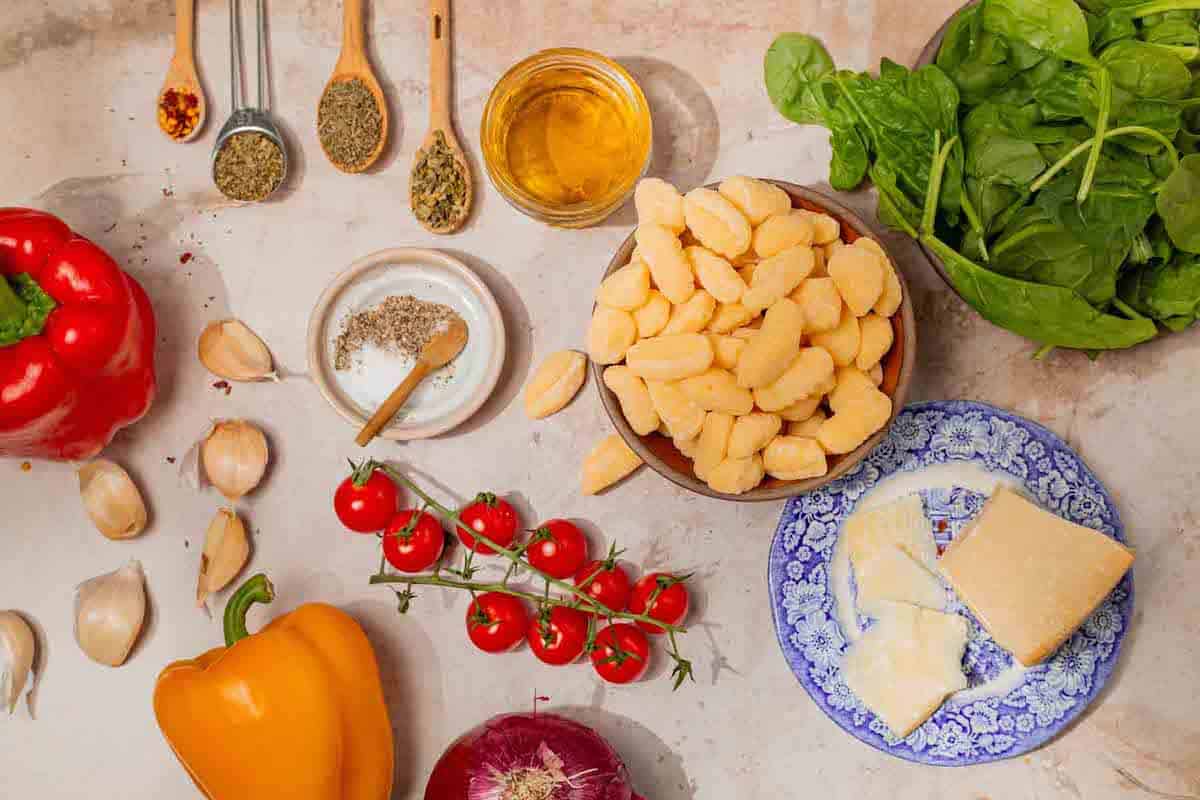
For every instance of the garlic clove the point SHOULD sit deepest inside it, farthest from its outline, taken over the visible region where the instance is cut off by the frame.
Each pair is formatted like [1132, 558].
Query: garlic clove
[235, 456]
[229, 349]
[18, 648]
[111, 499]
[226, 550]
[109, 612]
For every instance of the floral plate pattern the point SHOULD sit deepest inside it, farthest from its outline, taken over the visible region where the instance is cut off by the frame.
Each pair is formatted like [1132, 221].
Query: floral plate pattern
[987, 723]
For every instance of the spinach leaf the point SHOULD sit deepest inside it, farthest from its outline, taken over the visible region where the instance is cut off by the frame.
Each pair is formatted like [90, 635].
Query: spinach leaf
[975, 59]
[1179, 204]
[1147, 70]
[1109, 27]
[850, 161]
[1174, 31]
[1052, 26]
[792, 70]
[1167, 291]
[997, 149]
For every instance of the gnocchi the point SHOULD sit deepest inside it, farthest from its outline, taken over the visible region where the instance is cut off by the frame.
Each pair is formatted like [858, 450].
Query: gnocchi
[821, 303]
[794, 458]
[716, 222]
[851, 382]
[717, 390]
[842, 342]
[627, 288]
[659, 203]
[810, 369]
[754, 198]
[826, 229]
[875, 339]
[808, 427]
[858, 274]
[692, 316]
[682, 417]
[777, 276]
[780, 232]
[861, 417]
[634, 398]
[669, 358]
[555, 383]
[610, 461]
[770, 351]
[726, 350]
[687, 446]
[752, 432]
[610, 335]
[713, 443]
[669, 267]
[736, 475]
[803, 408]
[652, 317]
[893, 292]
[716, 275]
[729, 317]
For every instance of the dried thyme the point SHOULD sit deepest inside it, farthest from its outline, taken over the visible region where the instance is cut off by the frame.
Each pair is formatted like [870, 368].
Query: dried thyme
[439, 185]
[349, 123]
[249, 167]
[401, 324]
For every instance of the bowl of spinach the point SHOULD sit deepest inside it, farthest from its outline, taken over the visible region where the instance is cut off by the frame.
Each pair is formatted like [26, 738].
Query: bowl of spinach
[1045, 154]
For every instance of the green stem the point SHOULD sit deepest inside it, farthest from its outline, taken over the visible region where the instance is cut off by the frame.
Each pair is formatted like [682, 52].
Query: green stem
[1128, 130]
[940, 154]
[12, 307]
[257, 589]
[1043, 351]
[1104, 87]
[1126, 309]
[1161, 6]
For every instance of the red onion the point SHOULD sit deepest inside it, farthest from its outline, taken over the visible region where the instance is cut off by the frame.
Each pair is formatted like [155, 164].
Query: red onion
[530, 757]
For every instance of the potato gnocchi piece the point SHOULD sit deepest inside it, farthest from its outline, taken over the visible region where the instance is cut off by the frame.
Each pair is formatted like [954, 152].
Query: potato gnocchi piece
[627, 288]
[669, 266]
[713, 443]
[841, 342]
[634, 398]
[780, 232]
[852, 382]
[771, 350]
[861, 417]
[736, 475]
[717, 390]
[752, 432]
[875, 333]
[803, 408]
[778, 275]
[893, 292]
[804, 377]
[808, 427]
[692, 316]
[726, 350]
[876, 374]
[729, 317]
[610, 461]
[756, 199]
[867, 243]
[682, 417]
[826, 229]
[858, 274]
[716, 275]
[659, 203]
[794, 458]
[652, 317]
[821, 303]
[716, 222]
[555, 383]
[610, 335]
[687, 446]
[669, 358]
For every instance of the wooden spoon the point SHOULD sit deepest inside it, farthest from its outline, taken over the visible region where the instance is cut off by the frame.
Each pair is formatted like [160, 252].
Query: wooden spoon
[439, 110]
[351, 64]
[181, 73]
[437, 353]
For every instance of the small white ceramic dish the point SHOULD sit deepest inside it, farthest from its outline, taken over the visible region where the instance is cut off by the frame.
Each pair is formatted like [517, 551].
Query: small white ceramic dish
[448, 397]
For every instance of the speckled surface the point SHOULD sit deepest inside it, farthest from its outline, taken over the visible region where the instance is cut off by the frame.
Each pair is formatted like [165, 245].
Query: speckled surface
[79, 78]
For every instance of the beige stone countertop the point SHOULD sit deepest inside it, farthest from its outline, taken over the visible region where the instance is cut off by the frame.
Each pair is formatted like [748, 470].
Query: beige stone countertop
[78, 80]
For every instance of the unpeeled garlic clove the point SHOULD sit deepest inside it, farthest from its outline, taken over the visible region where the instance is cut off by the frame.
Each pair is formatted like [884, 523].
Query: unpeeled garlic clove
[226, 550]
[235, 456]
[109, 612]
[18, 648]
[111, 499]
[229, 349]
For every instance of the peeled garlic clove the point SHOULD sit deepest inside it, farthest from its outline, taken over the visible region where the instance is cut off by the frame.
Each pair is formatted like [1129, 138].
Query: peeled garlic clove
[235, 456]
[109, 612]
[18, 646]
[111, 500]
[232, 351]
[226, 550]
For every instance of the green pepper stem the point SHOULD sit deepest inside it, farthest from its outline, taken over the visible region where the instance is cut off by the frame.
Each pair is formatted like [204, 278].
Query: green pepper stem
[12, 307]
[257, 589]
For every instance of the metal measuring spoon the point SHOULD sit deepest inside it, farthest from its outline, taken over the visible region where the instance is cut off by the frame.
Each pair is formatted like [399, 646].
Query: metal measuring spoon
[248, 119]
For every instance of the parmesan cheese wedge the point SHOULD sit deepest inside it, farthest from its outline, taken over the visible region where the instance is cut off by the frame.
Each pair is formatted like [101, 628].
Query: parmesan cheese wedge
[892, 574]
[906, 665]
[901, 524]
[1031, 577]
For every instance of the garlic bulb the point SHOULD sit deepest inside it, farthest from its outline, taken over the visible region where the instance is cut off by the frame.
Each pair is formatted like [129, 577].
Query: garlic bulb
[111, 500]
[226, 550]
[18, 646]
[231, 350]
[235, 456]
[109, 612]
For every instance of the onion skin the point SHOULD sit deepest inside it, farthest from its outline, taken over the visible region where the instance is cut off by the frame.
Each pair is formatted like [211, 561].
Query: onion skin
[514, 741]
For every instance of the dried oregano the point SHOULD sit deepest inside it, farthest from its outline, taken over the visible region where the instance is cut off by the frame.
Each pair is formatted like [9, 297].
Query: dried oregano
[439, 185]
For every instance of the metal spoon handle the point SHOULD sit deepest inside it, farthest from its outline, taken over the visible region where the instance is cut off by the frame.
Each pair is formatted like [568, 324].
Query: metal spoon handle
[264, 101]
[235, 56]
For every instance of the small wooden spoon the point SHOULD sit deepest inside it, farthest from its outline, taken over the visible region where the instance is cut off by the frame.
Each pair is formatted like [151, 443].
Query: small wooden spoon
[353, 63]
[181, 73]
[439, 110]
[437, 353]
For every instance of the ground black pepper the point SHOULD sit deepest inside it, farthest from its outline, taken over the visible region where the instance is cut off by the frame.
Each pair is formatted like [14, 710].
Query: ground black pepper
[401, 323]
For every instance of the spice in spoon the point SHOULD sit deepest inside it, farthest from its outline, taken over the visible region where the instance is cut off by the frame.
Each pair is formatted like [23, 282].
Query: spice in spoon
[249, 167]
[401, 323]
[439, 185]
[178, 112]
[349, 123]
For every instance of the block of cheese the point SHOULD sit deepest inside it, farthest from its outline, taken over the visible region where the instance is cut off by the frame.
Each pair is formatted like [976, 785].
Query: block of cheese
[901, 523]
[907, 664]
[1031, 577]
[892, 574]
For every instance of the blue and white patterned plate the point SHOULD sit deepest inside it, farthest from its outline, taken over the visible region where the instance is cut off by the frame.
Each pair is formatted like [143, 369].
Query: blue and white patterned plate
[952, 454]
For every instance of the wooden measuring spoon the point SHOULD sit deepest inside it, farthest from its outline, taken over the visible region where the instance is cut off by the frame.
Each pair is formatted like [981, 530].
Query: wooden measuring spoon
[351, 64]
[181, 73]
[437, 353]
[439, 112]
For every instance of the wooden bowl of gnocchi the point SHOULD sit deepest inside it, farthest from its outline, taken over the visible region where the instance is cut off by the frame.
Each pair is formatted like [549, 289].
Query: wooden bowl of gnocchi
[750, 340]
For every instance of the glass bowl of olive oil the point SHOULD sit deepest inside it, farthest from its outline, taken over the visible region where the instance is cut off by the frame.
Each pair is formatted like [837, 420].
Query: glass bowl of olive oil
[566, 136]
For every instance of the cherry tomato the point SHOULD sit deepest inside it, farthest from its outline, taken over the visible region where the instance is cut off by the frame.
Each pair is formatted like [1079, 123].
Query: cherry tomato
[492, 517]
[413, 541]
[558, 635]
[622, 653]
[557, 548]
[496, 622]
[366, 501]
[605, 582]
[661, 596]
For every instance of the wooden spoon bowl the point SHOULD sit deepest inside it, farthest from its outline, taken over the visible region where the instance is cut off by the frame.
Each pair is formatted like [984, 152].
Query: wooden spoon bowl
[353, 63]
[181, 72]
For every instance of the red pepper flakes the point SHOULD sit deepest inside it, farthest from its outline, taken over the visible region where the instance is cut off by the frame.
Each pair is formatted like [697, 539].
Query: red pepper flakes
[178, 112]
[185, 258]
[223, 386]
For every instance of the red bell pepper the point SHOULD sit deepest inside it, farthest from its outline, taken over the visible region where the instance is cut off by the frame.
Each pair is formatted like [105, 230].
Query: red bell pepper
[76, 341]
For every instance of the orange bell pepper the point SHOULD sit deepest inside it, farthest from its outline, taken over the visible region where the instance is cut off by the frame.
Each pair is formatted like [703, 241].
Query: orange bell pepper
[295, 711]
